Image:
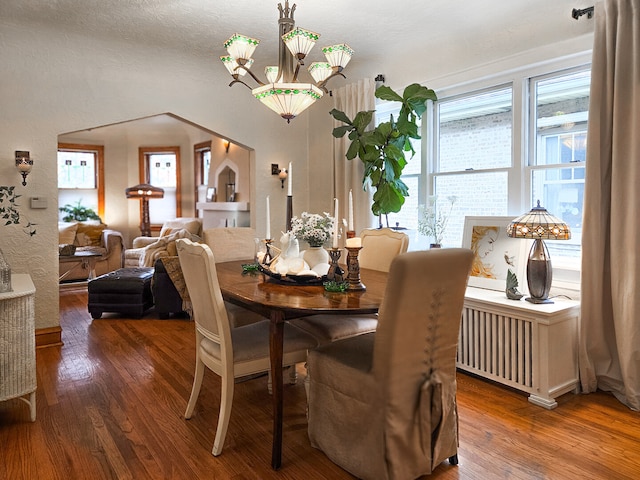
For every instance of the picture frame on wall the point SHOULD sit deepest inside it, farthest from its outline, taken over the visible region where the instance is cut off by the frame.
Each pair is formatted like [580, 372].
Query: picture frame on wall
[494, 252]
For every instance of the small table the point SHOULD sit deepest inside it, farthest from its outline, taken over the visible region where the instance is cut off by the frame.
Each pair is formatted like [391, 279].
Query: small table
[280, 302]
[86, 259]
[17, 343]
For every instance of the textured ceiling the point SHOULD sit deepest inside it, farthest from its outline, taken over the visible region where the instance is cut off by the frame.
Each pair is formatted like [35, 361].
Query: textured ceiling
[373, 28]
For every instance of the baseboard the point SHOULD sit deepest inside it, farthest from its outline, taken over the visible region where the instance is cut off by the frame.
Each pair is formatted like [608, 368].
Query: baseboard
[48, 337]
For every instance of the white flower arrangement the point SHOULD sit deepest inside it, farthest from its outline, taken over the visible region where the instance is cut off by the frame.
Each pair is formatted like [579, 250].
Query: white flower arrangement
[313, 228]
[433, 221]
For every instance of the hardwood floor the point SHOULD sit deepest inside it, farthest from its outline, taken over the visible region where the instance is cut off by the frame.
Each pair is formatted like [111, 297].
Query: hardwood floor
[111, 404]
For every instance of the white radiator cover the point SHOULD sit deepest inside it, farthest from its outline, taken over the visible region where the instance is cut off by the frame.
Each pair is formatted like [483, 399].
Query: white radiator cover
[532, 348]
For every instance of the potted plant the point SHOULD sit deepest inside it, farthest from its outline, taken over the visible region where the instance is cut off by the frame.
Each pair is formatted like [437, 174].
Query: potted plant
[433, 221]
[78, 213]
[382, 148]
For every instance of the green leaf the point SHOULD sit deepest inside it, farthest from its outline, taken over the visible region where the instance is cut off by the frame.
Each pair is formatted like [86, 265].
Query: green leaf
[340, 116]
[362, 120]
[339, 132]
[385, 93]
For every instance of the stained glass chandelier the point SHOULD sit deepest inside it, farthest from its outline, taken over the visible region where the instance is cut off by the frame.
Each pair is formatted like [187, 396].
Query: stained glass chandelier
[283, 92]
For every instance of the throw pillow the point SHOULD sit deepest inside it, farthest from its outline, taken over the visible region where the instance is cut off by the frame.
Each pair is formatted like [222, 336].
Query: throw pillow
[89, 235]
[67, 232]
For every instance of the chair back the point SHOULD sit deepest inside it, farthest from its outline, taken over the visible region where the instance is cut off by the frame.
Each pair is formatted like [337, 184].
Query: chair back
[380, 246]
[414, 357]
[231, 243]
[201, 278]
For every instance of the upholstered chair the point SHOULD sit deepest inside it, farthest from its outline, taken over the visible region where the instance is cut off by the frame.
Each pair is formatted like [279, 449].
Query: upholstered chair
[229, 352]
[379, 248]
[383, 405]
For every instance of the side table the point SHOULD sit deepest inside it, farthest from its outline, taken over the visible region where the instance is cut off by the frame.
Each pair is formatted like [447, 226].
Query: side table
[17, 343]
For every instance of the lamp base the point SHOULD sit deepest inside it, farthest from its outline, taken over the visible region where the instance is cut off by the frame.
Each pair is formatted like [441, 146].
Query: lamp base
[538, 300]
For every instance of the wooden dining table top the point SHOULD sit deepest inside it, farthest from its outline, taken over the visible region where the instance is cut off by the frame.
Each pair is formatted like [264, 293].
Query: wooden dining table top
[265, 293]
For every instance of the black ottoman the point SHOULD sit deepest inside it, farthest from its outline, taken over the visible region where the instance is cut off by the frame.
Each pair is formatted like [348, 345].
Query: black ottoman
[126, 290]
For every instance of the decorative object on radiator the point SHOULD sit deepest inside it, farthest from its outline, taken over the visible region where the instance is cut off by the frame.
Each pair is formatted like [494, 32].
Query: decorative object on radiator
[539, 224]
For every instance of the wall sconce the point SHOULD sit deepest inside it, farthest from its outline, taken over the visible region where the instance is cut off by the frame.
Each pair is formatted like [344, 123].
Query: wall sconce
[282, 175]
[226, 144]
[24, 164]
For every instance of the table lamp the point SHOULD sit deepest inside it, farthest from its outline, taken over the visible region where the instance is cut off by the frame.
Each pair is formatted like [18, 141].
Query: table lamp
[539, 224]
[144, 191]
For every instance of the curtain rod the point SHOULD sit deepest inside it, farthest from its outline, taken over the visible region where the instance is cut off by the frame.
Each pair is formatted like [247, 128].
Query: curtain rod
[577, 13]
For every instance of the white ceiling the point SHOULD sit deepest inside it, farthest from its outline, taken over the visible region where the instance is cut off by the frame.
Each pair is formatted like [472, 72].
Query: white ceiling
[373, 28]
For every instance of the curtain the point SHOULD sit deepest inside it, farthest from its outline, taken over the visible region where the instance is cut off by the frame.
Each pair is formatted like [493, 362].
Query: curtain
[348, 174]
[609, 346]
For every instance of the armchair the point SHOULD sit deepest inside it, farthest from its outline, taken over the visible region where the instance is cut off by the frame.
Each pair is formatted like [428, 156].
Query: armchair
[383, 405]
[133, 256]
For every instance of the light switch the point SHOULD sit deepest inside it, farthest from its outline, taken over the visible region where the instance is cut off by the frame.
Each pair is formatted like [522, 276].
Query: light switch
[38, 202]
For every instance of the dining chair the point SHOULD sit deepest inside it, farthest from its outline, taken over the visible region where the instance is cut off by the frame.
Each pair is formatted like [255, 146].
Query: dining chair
[379, 247]
[383, 405]
[229, 352]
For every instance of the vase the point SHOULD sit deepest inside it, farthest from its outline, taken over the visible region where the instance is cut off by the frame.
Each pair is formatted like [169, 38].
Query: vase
[315, 255]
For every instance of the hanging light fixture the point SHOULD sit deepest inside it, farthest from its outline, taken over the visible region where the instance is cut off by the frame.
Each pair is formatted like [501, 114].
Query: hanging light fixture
[282, 92]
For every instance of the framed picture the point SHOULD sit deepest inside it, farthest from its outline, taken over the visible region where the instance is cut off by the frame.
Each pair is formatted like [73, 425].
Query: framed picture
[495, 253]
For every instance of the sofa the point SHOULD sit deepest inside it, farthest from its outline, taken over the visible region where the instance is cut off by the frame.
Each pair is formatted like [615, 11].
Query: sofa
[89, 236]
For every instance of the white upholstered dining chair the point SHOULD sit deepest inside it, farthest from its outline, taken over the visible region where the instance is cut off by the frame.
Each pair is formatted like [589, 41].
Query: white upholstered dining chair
[229, 352]
[379, 247]
[383, 405]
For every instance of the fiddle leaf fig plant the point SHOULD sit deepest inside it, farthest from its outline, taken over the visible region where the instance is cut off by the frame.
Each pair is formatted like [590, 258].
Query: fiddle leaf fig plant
[382, 149]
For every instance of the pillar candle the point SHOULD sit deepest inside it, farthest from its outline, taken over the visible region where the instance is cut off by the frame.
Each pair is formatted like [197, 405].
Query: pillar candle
[290, 177]
[350, 224]
[335, 223]
[355, 242]
[268, 234]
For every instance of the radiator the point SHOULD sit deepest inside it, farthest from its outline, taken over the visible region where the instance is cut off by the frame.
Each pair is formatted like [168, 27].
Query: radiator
[498, 347]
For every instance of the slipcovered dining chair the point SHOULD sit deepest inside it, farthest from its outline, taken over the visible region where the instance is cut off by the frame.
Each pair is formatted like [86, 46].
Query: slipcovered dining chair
[383, 405]
[379, 247]
[228, 352]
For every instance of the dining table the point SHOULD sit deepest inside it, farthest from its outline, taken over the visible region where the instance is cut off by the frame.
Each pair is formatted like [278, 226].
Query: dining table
[280, 301]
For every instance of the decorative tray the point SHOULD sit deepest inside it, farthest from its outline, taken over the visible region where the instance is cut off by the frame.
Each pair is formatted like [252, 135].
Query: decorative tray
[291, 279]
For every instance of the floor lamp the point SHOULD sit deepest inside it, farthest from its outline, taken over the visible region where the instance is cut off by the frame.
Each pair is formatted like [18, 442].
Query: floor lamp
[144, 191]
[539, 224]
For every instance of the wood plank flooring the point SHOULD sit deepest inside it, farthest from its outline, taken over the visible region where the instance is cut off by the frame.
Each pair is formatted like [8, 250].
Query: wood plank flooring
[110, 405]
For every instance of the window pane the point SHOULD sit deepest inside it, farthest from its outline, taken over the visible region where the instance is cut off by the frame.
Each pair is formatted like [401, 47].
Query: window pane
[77, 170]
[475, 131]
[206, 163]
[162, 170]
[561, 113]
[563, 199]
[407, 217]
[477, 194]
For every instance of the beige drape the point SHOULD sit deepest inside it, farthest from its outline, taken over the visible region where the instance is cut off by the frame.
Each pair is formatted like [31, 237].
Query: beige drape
[348, 174]
[610, 306]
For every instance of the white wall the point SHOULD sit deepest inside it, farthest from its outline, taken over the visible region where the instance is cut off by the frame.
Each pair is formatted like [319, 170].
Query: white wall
[54, 82]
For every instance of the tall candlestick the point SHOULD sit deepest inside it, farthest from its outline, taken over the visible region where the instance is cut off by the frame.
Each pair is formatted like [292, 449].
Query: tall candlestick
[350, 224]
[268, 234]
[289, 183]
[335, 223]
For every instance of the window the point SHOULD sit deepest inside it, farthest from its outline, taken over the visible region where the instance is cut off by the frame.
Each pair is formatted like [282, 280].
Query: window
[499, 150]
[559, 106]
[81, 176]
[202, 163]
[160, 166]
[473, 155]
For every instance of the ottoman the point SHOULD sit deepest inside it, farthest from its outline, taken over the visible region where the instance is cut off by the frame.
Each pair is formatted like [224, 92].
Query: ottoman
[126, 290]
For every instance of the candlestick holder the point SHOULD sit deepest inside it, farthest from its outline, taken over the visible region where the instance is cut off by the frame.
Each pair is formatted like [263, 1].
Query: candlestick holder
[351, 233]
[353, 267]
[268, 256]
[335, 273]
